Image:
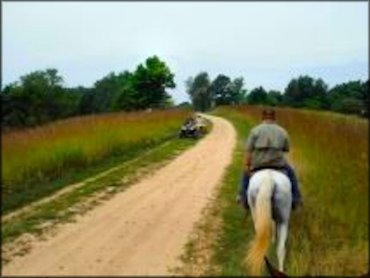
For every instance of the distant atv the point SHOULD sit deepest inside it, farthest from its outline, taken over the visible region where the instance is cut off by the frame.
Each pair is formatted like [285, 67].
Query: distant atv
[189, 131]
[201, 125]
[193, 128]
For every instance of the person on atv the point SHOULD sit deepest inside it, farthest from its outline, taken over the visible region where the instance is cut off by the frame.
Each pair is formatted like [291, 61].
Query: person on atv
[189, 123]
[189, 128]
[201, 125]
[265, 148]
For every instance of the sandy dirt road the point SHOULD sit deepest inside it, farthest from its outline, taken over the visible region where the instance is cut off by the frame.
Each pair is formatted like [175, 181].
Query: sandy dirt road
[142, 230]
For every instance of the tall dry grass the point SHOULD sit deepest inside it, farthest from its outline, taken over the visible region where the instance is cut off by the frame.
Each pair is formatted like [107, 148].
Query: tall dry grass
[32, 157]
[329, 236]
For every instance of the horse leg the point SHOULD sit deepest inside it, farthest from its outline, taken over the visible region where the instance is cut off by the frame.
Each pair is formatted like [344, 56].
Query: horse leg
[282, 235]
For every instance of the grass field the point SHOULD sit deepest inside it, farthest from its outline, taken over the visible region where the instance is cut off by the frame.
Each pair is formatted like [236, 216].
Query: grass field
[33, 159]
[78, 200]
[330, 152]
[329, 235]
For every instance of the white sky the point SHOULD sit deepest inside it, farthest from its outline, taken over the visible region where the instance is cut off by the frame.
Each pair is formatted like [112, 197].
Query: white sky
[266, 43]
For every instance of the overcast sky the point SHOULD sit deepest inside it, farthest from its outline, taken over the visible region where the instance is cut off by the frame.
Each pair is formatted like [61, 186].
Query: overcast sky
[266, 43]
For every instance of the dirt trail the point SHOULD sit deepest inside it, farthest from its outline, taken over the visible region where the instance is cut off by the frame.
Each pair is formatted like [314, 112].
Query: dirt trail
[142, 230]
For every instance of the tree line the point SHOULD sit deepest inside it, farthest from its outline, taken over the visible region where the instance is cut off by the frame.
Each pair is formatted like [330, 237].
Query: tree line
[303, 92]
[40, 97]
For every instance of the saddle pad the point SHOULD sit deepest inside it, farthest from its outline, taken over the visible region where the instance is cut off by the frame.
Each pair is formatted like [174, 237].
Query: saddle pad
[280, 169]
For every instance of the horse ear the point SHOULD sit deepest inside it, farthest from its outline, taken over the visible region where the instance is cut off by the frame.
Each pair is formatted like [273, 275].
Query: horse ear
[273, 271]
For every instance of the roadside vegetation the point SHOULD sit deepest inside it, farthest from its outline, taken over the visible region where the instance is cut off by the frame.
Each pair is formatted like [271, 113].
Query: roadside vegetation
[329, 234]
[42, 218]
[38, 161]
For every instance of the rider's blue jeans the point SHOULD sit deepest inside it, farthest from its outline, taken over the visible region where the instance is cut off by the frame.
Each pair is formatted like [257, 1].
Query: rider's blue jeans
[291, 175]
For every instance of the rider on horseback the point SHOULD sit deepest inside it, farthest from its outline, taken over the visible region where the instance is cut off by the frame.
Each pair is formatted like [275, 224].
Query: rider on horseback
[265, 148]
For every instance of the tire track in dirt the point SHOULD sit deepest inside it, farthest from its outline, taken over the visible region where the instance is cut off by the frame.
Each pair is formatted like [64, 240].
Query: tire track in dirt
[142, 230]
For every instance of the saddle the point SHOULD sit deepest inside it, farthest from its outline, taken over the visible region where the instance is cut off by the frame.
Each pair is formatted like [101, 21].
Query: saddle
[280, 169]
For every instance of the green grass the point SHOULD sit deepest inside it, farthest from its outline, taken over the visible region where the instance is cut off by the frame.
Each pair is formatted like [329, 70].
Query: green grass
[80, 199]
[37, 162]
[236, 228]
[329, 235]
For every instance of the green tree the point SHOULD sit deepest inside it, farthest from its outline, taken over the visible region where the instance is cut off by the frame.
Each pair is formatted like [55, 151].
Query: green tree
[15, 108]
[257, 96]
[108, 90]
[306, 92]
[149, 84]
[198, 90]
[38, 98]
[237, 93]
[274, 98]
[365, 99]
[227, 92]
[220, 90]
[350, 97]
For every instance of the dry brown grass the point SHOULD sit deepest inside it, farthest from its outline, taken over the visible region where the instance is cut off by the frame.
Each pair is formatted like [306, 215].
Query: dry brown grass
[33, 157]
[329, 236]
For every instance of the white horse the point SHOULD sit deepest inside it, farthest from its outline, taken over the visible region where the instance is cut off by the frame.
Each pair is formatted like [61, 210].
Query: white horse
[270, 200]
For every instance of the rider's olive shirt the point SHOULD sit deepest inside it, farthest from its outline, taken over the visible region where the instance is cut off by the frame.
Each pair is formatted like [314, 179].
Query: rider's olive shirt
[267, 143]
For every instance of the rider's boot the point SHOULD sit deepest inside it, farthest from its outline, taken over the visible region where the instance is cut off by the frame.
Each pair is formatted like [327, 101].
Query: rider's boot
[297, 197]
[244, 190]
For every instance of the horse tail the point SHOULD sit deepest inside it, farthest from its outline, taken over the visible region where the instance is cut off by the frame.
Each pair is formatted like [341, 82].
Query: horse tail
[263, 226]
